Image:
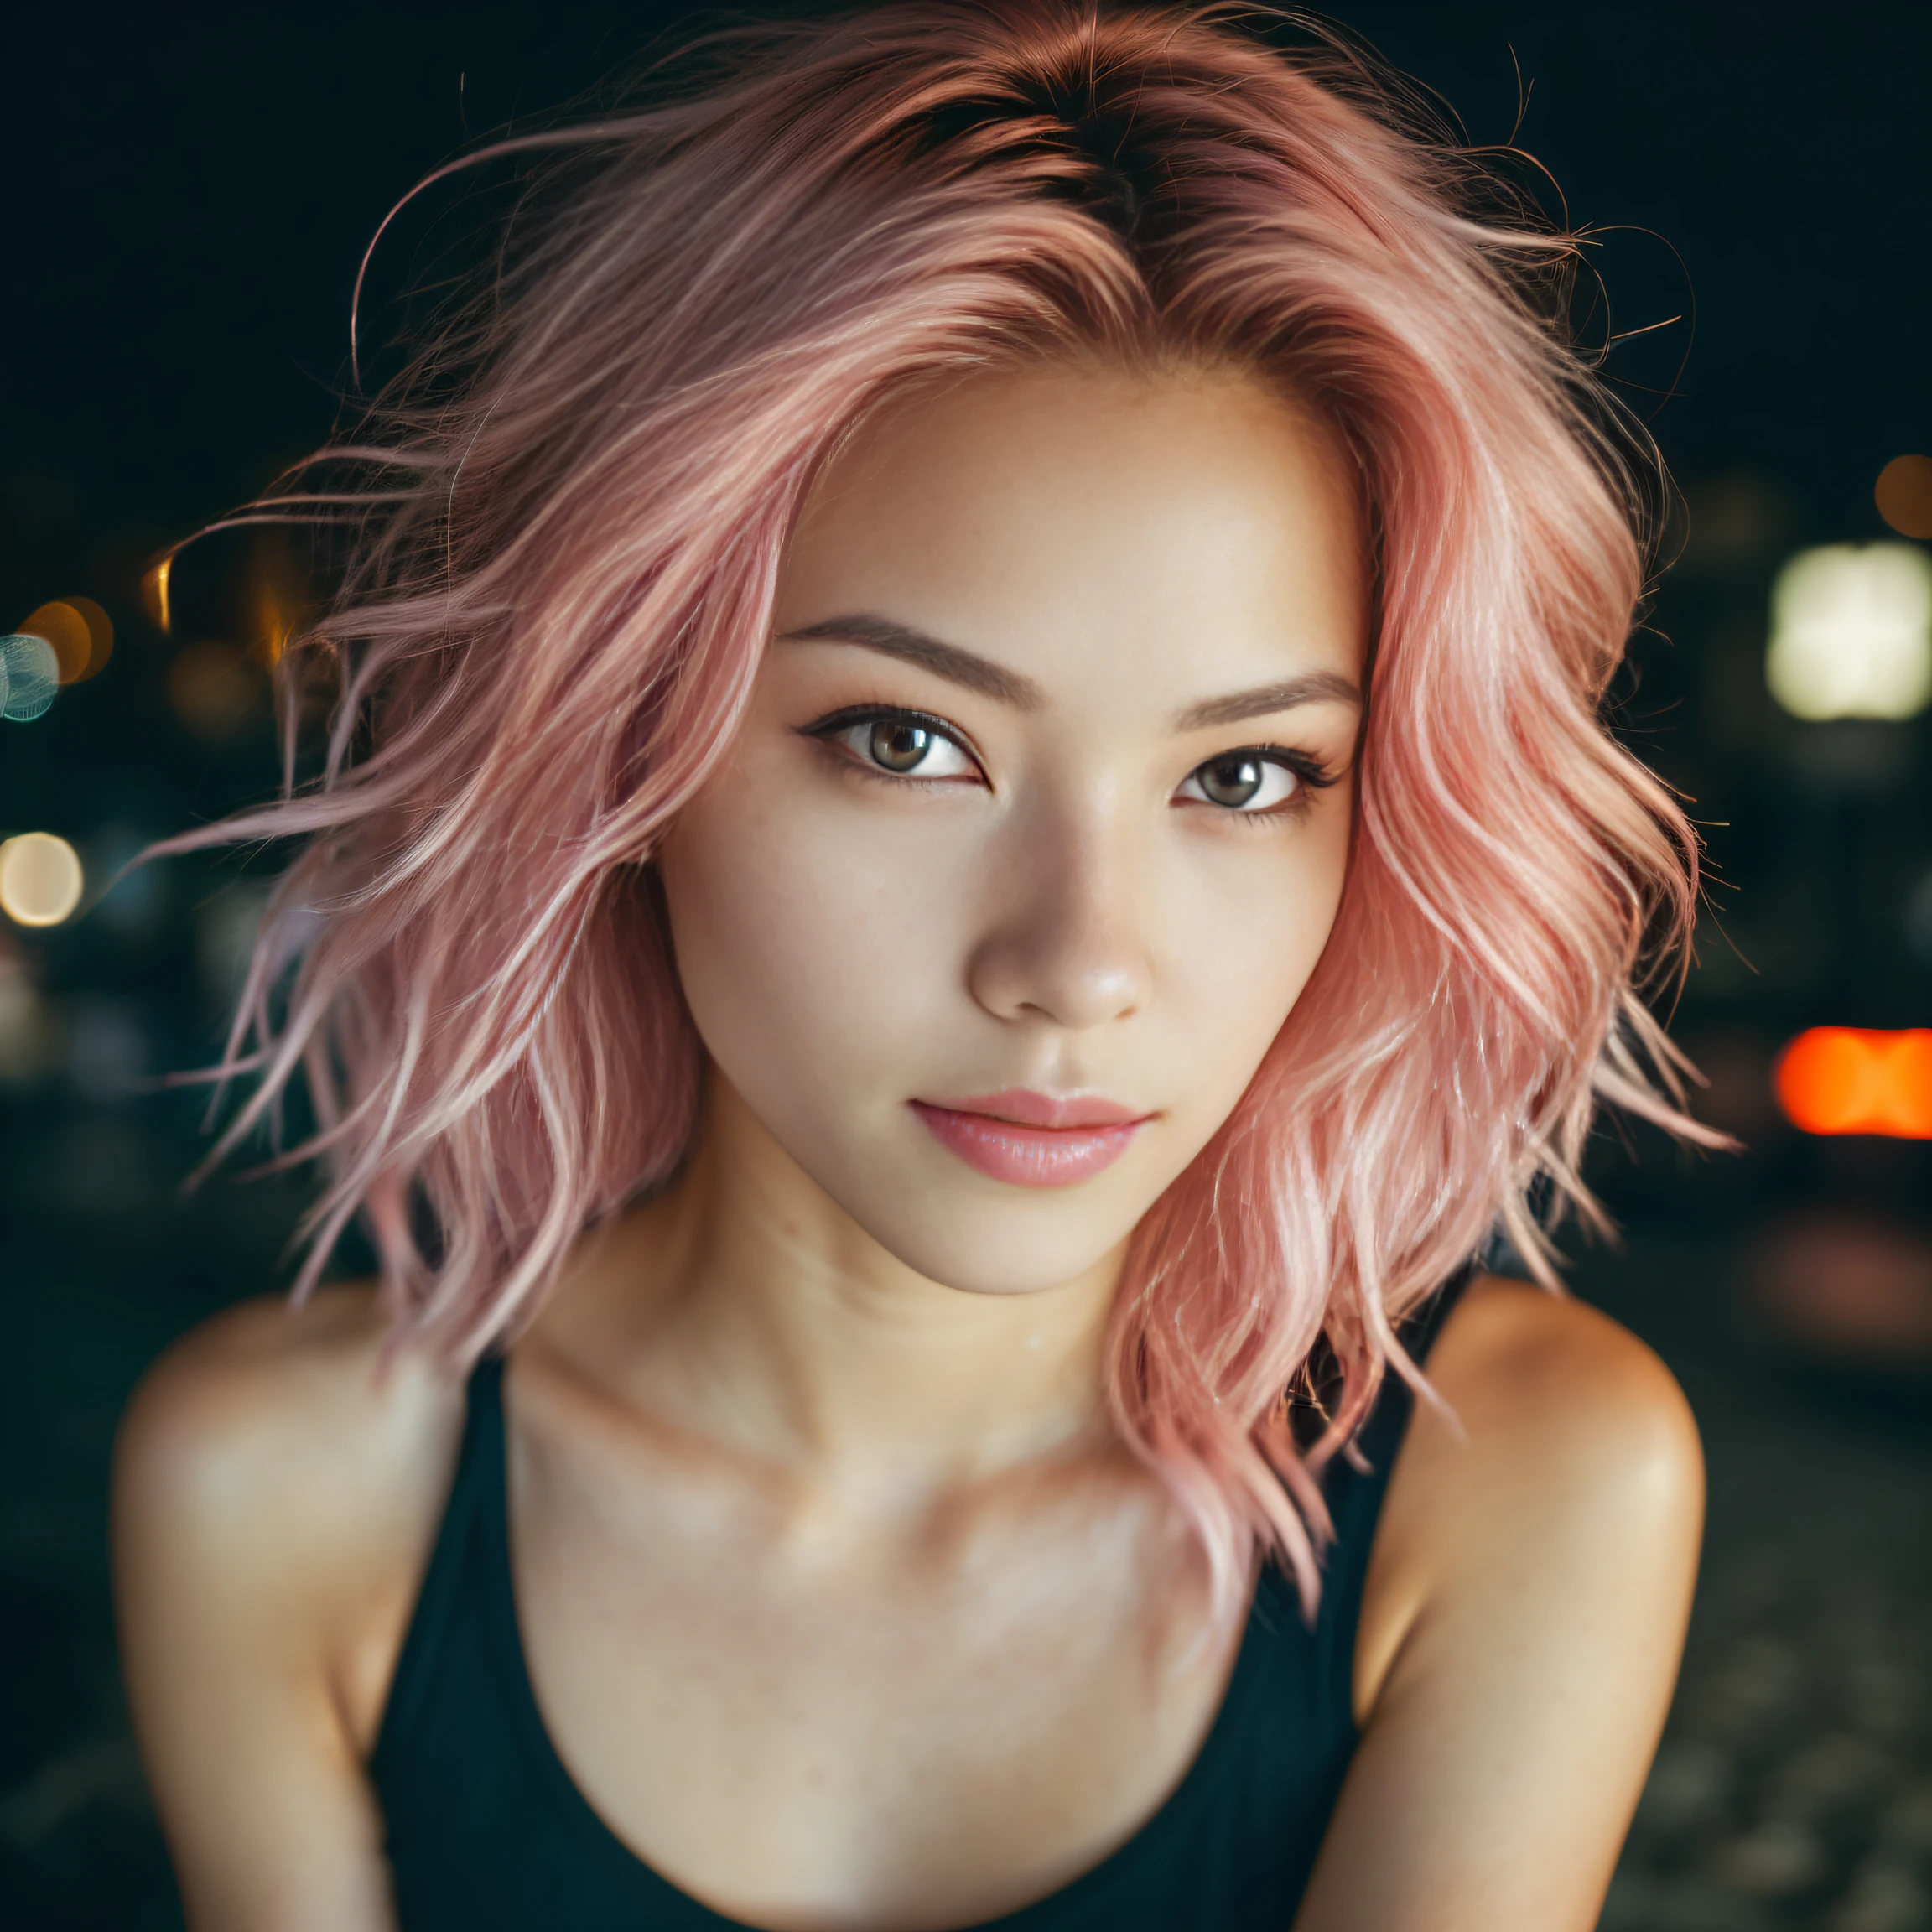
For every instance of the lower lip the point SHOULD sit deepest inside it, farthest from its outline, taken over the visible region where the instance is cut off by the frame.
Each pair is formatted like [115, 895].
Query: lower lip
[1027, 1156]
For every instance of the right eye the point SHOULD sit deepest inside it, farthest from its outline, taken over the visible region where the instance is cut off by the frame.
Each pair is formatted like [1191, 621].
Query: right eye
[903, 743]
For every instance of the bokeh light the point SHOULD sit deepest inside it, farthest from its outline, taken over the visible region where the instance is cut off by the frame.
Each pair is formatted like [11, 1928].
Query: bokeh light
[29, 676]
[100, 632]
[79, 632]
[1852, 633]
[155, 595]
[65, 630]
[40, 879]
[1857, 1080]
[270, 628]
[1903, 495]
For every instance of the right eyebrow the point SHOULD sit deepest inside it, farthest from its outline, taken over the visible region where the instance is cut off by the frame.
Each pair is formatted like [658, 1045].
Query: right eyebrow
[891, 639]
[1312, 688]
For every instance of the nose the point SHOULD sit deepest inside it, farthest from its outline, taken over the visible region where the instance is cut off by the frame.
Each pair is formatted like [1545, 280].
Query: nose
[1065, 940]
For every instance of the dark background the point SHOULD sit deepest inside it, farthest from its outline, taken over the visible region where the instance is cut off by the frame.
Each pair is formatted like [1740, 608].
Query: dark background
[186, 194]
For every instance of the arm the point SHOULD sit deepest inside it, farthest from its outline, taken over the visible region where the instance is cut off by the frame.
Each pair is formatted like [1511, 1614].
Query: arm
[273, 1505]
[1521, 1630]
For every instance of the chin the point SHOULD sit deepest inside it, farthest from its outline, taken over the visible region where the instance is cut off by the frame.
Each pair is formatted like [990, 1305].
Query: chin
[1025, 1245]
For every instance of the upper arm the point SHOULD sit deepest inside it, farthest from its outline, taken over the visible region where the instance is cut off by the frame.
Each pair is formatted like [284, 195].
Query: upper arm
[253, 1543]
[1522, 1629]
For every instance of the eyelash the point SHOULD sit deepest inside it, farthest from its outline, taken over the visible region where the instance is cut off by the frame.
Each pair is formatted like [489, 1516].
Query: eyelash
[1312, 773]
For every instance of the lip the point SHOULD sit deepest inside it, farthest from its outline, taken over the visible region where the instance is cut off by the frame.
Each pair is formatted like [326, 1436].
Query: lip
[1033, 1140]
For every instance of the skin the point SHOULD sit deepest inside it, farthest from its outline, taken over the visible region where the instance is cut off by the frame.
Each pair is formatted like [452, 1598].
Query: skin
[841, 1604]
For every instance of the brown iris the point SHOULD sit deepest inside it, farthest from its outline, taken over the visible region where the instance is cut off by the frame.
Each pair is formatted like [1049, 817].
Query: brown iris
[899, 745]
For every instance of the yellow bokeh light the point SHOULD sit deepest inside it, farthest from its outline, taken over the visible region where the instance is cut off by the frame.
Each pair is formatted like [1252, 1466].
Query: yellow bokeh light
[1852, 633]
[40, 879]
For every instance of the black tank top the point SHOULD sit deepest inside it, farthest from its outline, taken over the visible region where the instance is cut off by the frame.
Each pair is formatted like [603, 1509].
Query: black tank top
[486, 1832]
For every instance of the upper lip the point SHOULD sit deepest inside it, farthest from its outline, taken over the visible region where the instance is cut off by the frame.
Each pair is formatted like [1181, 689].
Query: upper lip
[1026, 1108]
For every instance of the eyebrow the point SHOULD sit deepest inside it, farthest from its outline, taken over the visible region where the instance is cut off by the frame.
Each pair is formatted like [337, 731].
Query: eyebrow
[1312, 688]
[890, 639]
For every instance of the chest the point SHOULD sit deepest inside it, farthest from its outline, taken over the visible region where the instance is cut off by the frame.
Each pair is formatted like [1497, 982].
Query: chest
[801, 1721]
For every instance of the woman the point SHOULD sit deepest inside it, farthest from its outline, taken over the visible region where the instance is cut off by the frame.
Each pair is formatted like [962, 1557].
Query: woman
[966, 852]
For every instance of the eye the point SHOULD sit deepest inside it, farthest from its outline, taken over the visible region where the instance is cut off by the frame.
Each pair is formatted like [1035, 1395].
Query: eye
[1251, 780]
[906, 743]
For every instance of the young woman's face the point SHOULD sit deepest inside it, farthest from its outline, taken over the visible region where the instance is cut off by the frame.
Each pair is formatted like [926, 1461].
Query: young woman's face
[1039, 821]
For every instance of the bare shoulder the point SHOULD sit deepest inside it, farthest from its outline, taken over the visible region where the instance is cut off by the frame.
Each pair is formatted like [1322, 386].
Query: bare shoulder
[267, 1404]
[1557, 1477]
[275, 1472]
[1544, 1394]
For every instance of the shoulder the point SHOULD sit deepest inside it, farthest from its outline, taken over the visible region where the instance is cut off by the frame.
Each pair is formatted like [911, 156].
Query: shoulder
[1556, 1471]
[277, 1477]
[1544, 1399]
[268, 1403]
[1525, 1613]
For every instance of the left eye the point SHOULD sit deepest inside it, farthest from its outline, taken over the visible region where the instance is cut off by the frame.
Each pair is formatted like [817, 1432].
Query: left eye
[1241, 781]
[905, 747]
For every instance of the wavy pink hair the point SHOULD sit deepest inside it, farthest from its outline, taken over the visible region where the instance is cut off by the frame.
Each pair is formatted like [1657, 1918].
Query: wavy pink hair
[560, 584]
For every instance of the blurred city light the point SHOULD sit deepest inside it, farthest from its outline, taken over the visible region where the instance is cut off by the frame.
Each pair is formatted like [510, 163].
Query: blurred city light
[154, 595]
[63, 628]
[1855, 1080]
[1852, 633]
[40, 879]
[29, 676]
[1903, 495]
[79, 631]
[100, 633]
[270, 628]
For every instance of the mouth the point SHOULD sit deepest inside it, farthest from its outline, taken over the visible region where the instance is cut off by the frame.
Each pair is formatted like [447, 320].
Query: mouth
[1033, 1140]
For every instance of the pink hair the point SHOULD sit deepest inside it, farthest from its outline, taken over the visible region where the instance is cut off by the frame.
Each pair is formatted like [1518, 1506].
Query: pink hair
[561, 584]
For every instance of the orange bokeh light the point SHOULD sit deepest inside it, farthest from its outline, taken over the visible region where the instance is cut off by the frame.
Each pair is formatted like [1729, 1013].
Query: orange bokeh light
[100, 632]
[1855, 1080]
[1903, 495]
[79, 632]
[62, 627]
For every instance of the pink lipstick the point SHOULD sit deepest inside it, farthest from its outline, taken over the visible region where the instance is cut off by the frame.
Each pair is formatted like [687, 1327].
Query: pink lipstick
[1033, 1140]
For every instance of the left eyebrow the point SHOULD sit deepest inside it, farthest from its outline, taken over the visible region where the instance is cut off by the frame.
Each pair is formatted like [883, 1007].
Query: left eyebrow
[1313, 688]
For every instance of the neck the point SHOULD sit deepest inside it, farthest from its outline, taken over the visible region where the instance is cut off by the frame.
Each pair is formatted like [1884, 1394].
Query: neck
[757, 1310]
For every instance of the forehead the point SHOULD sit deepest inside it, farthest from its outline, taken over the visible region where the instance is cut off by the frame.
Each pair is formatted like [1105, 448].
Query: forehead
[1079, 522]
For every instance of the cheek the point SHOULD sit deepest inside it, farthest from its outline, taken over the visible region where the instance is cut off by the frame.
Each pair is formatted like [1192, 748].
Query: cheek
[808, 958]
[1243, 949]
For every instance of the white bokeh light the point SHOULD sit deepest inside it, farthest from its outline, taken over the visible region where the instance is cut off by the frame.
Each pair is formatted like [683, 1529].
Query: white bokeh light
[1852, 633]
[40, 879]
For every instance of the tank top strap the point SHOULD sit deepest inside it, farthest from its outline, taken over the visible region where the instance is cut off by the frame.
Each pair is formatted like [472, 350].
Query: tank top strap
[1355, 1484]
[475, 1506]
